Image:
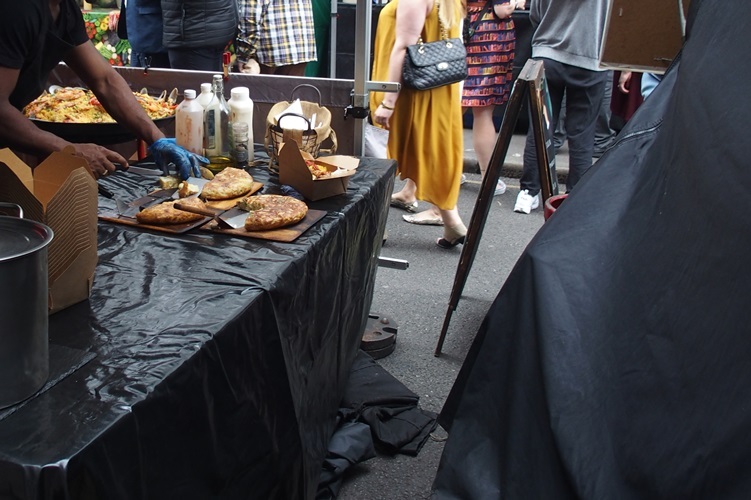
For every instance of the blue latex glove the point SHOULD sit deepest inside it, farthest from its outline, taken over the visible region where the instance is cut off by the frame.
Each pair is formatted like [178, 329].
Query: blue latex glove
[166, 151]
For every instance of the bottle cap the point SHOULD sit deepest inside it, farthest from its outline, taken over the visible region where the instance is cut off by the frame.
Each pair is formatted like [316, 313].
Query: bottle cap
[205, 87]
[240, 92]
[189, 94]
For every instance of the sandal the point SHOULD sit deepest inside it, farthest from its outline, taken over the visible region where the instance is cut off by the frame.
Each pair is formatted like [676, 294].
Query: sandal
[432, 220]
[403, 205]
[452, 236]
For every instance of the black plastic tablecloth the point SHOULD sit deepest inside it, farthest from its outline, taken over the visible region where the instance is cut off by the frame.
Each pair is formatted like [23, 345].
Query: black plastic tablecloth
[219, 364]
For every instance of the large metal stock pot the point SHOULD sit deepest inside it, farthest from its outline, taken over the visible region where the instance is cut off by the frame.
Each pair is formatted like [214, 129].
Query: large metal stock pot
[24, 350]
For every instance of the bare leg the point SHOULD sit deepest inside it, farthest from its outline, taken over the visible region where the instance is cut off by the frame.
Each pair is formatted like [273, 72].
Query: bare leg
[450, 217]
[483, 140]
[407, 193]
[483, 135]
[454, 229]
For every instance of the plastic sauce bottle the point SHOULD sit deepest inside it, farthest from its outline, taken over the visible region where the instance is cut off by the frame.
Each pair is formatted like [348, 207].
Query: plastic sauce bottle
[216, 129]
[189, 123]
[204, 98]
[241, 110]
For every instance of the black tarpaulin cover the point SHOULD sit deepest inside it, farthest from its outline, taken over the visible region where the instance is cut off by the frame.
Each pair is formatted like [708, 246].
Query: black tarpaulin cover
[614, 363]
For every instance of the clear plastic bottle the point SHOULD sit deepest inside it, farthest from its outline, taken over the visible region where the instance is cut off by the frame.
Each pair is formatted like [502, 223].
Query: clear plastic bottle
[204, 98]
[189, 123]
[241, 110]
[216, 128]
[240, 147]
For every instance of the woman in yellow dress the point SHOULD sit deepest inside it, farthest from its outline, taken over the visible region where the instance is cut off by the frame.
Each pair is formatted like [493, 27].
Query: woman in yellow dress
[425, 126]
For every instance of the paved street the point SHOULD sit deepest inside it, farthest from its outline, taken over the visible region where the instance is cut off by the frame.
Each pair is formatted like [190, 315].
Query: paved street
[417, 299]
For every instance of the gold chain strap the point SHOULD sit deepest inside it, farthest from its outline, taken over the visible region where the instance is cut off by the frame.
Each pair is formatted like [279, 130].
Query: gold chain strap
[444, 33]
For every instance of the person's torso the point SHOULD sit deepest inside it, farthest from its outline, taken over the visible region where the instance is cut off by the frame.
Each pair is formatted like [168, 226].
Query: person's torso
[144, 20]
[199, 23]
[569, 31]
[42, 43]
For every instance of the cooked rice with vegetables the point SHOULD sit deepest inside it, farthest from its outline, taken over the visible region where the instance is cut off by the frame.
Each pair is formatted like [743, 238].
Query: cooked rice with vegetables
[75, 105]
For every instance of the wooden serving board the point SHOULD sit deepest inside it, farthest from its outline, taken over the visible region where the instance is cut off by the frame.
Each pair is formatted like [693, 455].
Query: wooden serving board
[227, 204]
[167, 228]
[284, 234]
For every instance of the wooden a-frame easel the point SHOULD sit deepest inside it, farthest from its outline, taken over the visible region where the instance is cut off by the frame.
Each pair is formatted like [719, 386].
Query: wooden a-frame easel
[530, 85]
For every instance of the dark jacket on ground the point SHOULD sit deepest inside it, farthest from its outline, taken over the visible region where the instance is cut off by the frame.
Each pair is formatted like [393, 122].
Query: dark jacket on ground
[199, 23]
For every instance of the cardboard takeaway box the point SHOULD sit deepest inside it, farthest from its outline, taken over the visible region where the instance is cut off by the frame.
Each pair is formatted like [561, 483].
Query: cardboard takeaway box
[61, 193]
[293, 171]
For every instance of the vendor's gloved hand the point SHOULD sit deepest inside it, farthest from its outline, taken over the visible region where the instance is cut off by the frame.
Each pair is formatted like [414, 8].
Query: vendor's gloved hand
[187, 164]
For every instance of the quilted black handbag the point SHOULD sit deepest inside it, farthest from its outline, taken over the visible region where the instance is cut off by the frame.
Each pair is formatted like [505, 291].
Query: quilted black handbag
[434, 64]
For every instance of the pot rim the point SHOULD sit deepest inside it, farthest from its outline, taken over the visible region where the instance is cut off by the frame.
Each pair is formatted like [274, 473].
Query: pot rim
[39, 236]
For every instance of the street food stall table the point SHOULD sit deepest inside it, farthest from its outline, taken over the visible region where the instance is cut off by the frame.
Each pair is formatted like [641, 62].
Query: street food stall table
[203, 365]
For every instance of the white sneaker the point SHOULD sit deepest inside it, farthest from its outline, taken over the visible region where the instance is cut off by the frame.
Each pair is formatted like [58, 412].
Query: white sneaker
[500, 188]
[525, 202]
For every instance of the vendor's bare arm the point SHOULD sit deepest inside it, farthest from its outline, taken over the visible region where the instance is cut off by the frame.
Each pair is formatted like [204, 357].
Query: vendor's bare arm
[17, 131]
[21, 134]
[112, 91]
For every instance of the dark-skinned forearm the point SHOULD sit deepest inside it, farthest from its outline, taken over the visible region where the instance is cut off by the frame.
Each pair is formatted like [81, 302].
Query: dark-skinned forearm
[117, 98]
[18, 132]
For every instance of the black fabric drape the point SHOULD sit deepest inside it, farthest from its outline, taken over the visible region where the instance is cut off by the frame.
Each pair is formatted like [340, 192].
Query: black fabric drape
[613, 363]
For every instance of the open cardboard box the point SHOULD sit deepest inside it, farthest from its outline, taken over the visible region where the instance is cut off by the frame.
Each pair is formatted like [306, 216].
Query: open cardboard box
[293, 171]
[61, 193]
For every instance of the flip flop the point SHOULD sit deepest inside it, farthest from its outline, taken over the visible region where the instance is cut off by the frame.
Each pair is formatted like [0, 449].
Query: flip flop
[432, 221]
[403, 205]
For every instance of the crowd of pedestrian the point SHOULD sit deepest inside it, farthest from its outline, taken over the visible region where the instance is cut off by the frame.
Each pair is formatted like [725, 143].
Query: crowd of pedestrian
[582, 94]
[278, 37]
[267, 36]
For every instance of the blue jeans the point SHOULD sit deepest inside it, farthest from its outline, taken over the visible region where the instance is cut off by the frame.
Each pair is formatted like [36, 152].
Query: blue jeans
[584, 91]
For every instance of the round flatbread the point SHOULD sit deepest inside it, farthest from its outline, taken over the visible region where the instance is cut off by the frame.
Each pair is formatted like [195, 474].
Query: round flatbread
[165, 213]
[229, 183]
[270, 211]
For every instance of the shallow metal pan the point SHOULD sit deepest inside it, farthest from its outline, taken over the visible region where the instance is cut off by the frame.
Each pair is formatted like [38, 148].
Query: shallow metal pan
[97, 133]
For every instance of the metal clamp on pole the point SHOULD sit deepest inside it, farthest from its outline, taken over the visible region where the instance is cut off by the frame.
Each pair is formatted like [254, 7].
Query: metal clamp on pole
[359, 107]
